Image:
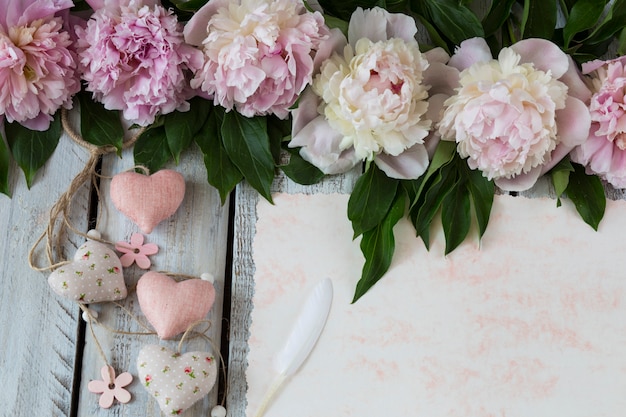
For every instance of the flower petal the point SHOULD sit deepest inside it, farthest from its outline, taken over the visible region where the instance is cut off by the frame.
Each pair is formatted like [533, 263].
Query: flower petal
[195, 30]
[122, 395]
[573, 122]
[521, 182]
[370, 24]
[401, 26]
[40, 123]
[437, 55]
[441, 78]
[335, 43]
[127, 259]
[470, 52]
[142, 261]
[106, 399]
[305, 112]
[409, 165]
[543, 54]
[136, 240]
[576, 86]
[149, 249]
[320, 146]
[97, 387]
[125, 378]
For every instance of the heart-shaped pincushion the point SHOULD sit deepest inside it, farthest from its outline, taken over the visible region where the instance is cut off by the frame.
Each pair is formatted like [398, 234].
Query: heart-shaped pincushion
[94, 275]
[170, 306]
[148, 199]
[176, 381]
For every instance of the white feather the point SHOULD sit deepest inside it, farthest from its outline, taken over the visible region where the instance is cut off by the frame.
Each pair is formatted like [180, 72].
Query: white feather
[302, 338]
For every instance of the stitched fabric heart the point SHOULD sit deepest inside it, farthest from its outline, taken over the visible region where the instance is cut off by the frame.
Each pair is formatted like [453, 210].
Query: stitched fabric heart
[147, 200]
[94, 275]
[176, 381]
[172, 306]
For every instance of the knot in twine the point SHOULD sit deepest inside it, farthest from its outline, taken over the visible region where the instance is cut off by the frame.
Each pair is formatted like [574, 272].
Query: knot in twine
[61, 209]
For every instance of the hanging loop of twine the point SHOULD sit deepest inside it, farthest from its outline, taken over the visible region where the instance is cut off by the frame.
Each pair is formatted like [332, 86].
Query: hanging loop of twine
[62, 208]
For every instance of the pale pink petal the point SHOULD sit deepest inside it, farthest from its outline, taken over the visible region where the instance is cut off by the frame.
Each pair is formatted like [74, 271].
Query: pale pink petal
[122, 395]
[136, 240]
[335, 43]
[409, 165]
[124, 379]
[142, 261]
[370, 24]
[441, 78]
[543, 54]
[41, 122]
[97, 386]
[573, 122]
[437, 55]
[305, 112]
[196, 28]
[127, 259]
[108, 374]
[521, 182]
[576, 86]
[106, 399]
[320, 147]
[401, 26]
[149, 249]
[22, 12]
[470, 52]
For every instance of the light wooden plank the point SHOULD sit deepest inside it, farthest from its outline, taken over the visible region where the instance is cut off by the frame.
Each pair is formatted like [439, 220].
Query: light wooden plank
[191, 242]
[243, 273]
[38, 328]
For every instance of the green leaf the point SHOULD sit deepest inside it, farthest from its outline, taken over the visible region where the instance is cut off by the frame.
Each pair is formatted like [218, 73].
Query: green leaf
[587, 194]
[482, 191]
[584, 15]
[99, 126]
[336, 23]
[499, 12]
[343, 9]
[434, 196]
[5, 161]
[560, 178]
[434, 34]
[279, 131]
[181, 127]
[444, 154]
[248, 146]
[221, 172]
[370, 200]
[31, 149]
[539, 19]
[614, 21]
[301, 171]
[457, 22]
[378, 245]
[151, 149]
[621, 44]
[456, 216]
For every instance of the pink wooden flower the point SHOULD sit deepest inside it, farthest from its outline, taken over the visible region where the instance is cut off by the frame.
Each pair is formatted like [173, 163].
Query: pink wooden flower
[111, 387]
[136, 251]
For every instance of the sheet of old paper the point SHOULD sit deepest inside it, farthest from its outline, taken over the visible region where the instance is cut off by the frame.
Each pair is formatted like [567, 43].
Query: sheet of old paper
[531, 322]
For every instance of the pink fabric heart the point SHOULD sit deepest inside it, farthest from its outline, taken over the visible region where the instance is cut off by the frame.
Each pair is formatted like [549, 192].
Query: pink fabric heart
[172, 306]
[148, 199]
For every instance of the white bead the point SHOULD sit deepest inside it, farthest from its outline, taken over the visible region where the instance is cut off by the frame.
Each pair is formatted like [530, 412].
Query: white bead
[93, 313]
[218, 411]
[93, 233]
[208, 277]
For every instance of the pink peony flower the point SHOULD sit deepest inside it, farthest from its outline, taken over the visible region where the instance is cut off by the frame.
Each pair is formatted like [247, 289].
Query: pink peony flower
[513, 117]
[37, 67]
[258, 53]
[604, 151]
[370, 100]
[134, 59]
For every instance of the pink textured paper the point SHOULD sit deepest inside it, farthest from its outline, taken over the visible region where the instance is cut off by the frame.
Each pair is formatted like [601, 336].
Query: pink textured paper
[532, 323]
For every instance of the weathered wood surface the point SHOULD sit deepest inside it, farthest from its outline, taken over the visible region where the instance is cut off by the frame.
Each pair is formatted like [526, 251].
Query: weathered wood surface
[38, 330]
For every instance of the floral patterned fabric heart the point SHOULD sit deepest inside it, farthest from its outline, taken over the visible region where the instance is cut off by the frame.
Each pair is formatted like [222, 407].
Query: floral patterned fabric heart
[176, 380]
[94, 275]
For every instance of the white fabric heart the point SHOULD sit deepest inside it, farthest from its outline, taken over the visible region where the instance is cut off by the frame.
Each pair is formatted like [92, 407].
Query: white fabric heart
[94, 275]
[176, 380]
